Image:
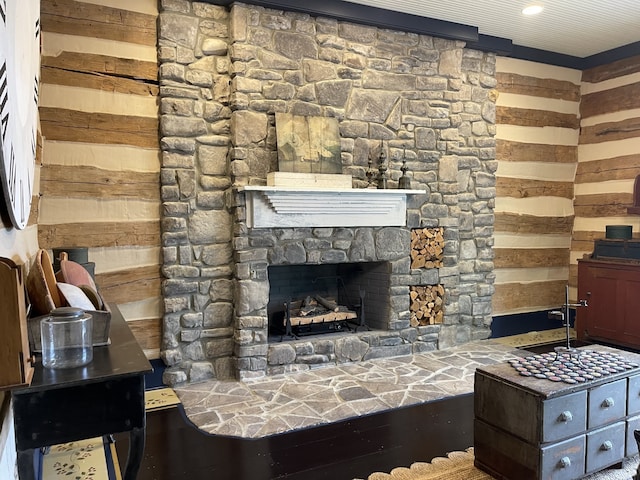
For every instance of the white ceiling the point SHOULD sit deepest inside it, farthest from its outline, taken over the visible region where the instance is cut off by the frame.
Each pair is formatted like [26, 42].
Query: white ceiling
[573, 27]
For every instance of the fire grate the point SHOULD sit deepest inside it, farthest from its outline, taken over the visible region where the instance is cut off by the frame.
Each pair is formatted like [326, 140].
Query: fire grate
[316, 315]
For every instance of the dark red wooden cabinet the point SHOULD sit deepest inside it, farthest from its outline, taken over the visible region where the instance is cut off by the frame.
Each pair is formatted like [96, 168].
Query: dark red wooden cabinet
[612, 291]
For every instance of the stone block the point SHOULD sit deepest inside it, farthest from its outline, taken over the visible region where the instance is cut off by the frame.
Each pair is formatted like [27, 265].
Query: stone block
[181, 29]
[193, 351]
[214, 46]
[209, 226]
[173, 377]
[201, 371]
[350, 349]
[281, 354]
[388, 351]
[173, 125]
[313, 359]
[371, 106]
[220, 347]
[304, 348]
[242, 351]
[217, 315]
[423, 347]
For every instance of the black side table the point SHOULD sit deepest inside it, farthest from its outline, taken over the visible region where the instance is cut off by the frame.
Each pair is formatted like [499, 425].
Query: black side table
[104, 397]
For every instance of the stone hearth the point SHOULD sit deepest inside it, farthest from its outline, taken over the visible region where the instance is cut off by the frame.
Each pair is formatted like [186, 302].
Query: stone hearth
[274, 405]
[224, 74]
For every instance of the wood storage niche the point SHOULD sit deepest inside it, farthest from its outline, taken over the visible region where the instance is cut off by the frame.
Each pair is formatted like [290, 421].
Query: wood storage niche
[427, 247]
[426, 304]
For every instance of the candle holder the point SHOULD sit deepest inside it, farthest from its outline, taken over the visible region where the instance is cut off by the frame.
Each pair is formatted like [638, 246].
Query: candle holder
[371, 183]
[382, 170]
[404, 182]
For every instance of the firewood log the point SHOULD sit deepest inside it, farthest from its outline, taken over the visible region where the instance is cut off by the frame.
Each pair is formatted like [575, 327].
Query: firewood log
[328, 304]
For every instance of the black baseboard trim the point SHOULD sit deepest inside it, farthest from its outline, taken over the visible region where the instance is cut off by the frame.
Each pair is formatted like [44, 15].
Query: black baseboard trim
[154, 379]
[516, 324]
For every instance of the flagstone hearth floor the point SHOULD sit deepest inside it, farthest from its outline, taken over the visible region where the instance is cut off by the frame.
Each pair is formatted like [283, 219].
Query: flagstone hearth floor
[271, 405]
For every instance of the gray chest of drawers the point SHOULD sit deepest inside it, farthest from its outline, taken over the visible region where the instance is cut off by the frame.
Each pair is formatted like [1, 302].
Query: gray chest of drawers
[530, 428]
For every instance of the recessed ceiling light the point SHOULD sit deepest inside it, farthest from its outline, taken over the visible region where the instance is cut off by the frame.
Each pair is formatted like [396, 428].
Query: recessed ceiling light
[533, 9]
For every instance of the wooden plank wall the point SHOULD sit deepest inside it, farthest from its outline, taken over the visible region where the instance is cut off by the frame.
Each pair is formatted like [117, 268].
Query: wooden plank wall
[100, 170]
[537, 152]
[99, 175]
[609, 154]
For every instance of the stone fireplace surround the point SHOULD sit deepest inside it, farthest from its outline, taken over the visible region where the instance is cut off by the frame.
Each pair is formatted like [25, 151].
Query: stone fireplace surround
[223, 75]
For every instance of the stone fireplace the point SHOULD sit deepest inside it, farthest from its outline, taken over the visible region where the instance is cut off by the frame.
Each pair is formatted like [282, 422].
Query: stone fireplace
[429, 102]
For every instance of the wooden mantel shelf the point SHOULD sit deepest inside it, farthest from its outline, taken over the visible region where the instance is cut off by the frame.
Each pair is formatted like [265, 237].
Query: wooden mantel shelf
[277, 206]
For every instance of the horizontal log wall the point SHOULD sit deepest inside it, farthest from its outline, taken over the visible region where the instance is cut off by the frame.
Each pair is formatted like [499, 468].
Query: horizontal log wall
[536, 148]
[99, 180]
[100, 172]
[609, 158]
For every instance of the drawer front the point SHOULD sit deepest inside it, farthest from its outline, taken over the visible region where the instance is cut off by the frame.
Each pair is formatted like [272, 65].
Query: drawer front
[564, 460]
[633, 396]
[607, 403]
[564, 417]
[633, 423]
[605, 447]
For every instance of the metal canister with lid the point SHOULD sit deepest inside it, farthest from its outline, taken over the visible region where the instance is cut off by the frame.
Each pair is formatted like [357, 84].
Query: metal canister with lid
[66, 335]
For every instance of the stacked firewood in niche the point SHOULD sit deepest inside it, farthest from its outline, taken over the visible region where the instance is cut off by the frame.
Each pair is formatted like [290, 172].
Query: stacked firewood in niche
[426, 304]
[427, 247]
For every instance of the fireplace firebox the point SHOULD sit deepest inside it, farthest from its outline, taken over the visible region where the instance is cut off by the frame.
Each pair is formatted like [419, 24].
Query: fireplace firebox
[329, 298]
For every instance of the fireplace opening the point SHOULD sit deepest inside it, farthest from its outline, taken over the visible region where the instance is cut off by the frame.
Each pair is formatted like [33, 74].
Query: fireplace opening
[328, 298]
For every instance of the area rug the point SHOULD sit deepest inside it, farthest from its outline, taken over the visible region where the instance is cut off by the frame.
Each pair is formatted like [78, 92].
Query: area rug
[91, 459]
[459, 466]
[160, 398]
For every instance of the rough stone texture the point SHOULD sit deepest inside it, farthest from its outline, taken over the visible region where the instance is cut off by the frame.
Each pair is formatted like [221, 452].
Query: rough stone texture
[282, 354]
[223, 76]
[350, 349]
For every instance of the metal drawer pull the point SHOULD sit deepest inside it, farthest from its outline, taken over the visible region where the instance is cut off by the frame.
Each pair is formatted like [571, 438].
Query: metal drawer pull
[606, 445]
[608, 402]
[565, 416]
[564, 462]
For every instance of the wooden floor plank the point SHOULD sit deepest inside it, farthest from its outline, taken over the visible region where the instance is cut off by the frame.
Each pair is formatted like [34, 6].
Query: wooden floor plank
[354, 448]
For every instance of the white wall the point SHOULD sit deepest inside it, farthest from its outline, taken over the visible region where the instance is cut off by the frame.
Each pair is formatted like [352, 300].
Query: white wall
[7, 442]
[19, 246]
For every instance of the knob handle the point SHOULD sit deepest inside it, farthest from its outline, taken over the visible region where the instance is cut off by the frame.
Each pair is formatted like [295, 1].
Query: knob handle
[565, 462]
[608, 402]
[607, 445]
[566, 416]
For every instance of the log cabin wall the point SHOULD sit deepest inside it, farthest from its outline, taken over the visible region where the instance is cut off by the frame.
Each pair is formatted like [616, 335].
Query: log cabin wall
[537, 152]
[102, 60]
[608, 154]
[99, 175]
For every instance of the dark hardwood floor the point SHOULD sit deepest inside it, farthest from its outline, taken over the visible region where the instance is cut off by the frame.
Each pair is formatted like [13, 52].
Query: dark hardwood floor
[176, 450]
[355, 448]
